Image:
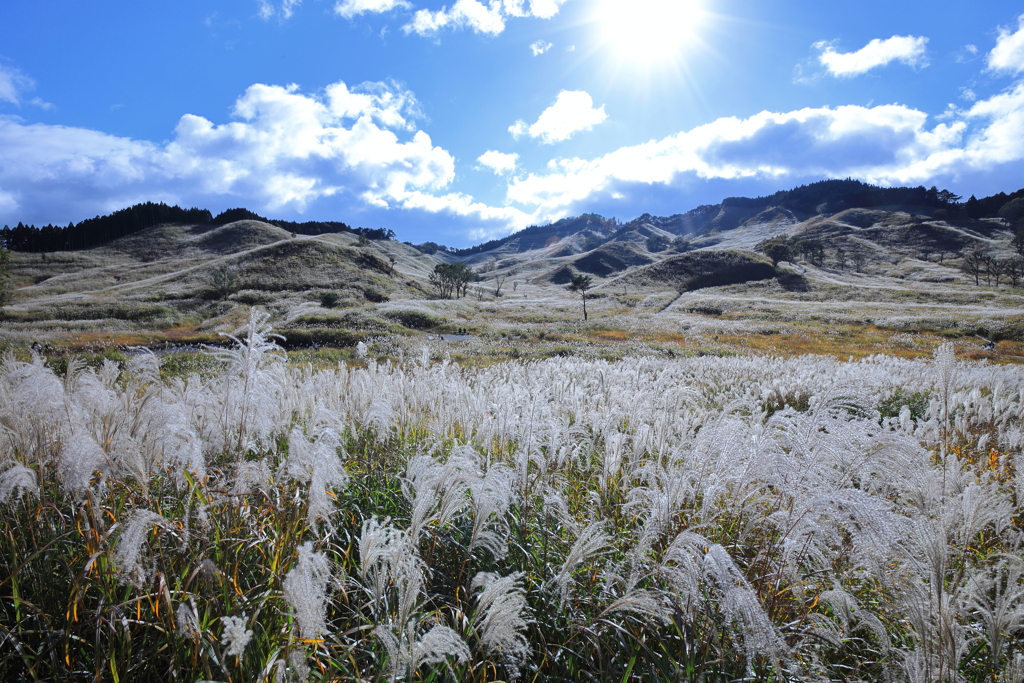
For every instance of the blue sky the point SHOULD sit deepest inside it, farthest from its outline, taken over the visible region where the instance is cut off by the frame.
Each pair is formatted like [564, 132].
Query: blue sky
[462, 121]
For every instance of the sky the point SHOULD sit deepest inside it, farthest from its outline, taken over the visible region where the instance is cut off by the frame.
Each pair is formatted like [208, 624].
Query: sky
[464, 120]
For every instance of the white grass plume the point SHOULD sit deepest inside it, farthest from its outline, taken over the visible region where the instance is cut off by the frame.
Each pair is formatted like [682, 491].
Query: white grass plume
[388, 561]
[590, 541]
[305, 589]
[16, 481]
[996, 598]
[187, 622]
[236, 635]
[318, 465]
[129, 546]
[499, 618]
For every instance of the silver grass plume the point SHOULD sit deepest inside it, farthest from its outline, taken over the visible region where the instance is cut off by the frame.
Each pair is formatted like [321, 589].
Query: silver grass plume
[80, 457]
[847, 617]
[499, 619]
[15, 482]
[188, 623]
[235, 636]
[492, 495]
[436, 646]
[246, 409]
[129, 546]
[683, 566]
[295, 668]
[305, 589]
[591, 540]
[318, 465]
[408, 653]
[996, 598]
[250, 476]
[739, 603]
[439, 492]
[1014, 671]
[388, 560]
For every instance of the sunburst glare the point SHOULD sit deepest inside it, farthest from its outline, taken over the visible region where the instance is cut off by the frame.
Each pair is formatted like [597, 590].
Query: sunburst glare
[649, 33]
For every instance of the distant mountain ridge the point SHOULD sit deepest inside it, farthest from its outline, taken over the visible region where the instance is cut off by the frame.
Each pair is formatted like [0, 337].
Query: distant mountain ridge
[797, 204]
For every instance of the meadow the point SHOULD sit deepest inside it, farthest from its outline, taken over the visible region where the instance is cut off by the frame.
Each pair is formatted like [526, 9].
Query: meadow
[701, 518]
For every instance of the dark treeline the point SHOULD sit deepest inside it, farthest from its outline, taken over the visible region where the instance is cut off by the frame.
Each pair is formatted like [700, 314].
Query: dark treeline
[838, 195]
[304, 228]
[99, 230]
[103, 229]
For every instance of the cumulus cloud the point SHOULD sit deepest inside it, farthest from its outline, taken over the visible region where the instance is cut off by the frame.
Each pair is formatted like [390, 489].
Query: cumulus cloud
[464, 13]
[542, 9]
[572, 112]
[890, 144]
[907, 49]
[351, 8]
[540, 47]
[285, 149]
[498, 162]
[475, 15]
[1008, 54]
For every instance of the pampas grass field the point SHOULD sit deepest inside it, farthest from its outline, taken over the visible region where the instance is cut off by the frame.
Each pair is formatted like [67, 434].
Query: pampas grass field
[566, 519]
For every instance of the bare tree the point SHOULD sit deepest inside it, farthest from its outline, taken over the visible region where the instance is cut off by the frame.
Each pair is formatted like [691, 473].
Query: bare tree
[973, 263]
[997, 268]
[841, 256]
[499, 280]
[858, 260]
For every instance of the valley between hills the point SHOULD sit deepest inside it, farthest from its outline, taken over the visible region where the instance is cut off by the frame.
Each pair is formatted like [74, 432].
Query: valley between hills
[880, 279]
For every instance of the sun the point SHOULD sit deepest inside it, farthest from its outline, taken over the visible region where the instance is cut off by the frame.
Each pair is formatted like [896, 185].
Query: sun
[649, 32]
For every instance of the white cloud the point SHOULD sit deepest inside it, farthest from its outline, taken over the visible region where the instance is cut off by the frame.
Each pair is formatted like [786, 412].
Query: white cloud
[973, 49]
[543, 9]
[890, 144]
[1008, 54]
[351, 8]
[388, 103]
[907, 49]
[473, 14]
[498, 162]
[284, 150]
[267, 10]
[572, 112]
[540, 47]
[464, 13]
[14, 84]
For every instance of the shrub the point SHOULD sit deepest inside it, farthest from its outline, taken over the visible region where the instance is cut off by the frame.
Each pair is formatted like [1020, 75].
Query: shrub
[416, 320]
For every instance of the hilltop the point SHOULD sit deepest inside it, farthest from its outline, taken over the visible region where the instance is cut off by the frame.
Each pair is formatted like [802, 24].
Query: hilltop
[852, 263]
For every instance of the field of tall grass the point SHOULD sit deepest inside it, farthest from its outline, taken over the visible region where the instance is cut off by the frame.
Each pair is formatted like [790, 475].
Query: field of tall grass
[650, 519]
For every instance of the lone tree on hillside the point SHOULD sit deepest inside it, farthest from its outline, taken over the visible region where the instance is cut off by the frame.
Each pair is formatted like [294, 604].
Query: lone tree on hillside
[224, 281]
[451, 278]
[777, 249]
[581, 283]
